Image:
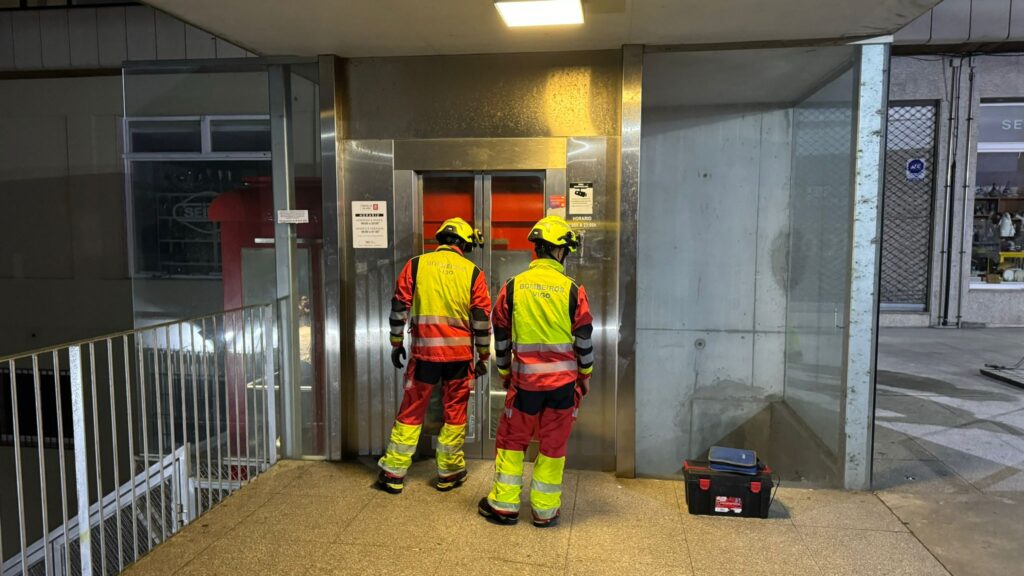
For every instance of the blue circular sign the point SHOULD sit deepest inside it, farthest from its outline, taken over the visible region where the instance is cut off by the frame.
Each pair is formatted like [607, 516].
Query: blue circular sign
[915, 166]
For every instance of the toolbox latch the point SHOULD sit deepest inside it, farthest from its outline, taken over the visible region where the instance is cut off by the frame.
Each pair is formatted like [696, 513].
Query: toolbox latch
[705, 483]
[755, 487]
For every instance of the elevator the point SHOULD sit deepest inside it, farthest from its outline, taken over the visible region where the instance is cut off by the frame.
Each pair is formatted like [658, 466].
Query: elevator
[502, 186]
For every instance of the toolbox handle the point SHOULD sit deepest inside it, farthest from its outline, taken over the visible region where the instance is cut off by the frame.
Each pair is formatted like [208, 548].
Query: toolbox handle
[755, 487]
[705, 484]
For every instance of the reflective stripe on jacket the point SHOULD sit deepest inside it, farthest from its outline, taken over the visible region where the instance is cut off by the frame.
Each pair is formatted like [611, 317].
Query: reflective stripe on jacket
[448, 298]
[543, 327]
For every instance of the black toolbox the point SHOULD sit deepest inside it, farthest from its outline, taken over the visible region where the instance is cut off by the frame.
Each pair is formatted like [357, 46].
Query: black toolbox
[727, 493]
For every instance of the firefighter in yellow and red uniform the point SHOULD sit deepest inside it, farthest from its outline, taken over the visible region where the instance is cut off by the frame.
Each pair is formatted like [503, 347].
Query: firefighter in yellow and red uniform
[448, 299]
[543, 350]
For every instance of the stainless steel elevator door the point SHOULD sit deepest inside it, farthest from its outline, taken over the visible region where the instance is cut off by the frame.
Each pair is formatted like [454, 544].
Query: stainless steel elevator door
[505, 206]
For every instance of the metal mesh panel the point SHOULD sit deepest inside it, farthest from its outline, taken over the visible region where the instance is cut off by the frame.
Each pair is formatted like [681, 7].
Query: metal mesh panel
[907, 217]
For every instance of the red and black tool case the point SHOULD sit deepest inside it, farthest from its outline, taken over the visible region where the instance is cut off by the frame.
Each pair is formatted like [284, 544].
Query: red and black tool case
[726, 493]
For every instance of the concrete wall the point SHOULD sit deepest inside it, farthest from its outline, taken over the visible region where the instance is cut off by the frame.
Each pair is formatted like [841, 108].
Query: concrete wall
[63, 264]
[927, 78]
[711, 287]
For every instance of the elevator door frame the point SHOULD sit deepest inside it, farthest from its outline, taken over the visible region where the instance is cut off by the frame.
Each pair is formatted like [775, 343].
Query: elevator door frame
[482, 445]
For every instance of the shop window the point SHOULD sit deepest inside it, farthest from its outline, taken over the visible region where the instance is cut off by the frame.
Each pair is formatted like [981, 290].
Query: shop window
[997, 254]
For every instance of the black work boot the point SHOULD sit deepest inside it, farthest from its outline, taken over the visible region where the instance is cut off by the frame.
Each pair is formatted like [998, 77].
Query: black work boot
[496, 516]
[446, 483]
[390, 484]
[546, 522]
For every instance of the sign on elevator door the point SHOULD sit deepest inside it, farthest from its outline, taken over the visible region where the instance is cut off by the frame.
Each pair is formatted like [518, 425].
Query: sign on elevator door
[369, 224]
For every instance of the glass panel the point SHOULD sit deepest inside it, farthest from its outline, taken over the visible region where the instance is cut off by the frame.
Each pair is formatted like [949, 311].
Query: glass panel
[819, 269]
[199, 223]
[182, 251]
[148, 136]
[517, 203]
[445, 196]
[242, 135]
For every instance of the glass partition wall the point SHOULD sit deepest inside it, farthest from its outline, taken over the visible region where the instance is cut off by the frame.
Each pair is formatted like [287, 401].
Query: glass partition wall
[212, 150]
[745, 224]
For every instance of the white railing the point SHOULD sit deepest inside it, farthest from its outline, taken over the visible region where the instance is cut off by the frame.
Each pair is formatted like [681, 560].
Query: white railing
[165, 422]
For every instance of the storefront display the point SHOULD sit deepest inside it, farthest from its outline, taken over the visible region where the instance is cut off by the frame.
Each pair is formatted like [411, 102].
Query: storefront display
[997, 255]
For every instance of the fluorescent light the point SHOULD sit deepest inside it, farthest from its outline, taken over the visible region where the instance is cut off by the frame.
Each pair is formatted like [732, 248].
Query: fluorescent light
[517, 13]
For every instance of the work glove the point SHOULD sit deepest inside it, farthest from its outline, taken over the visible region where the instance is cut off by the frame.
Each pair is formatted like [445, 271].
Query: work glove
[506, 378]
[397, 356]
[480, 369]
[583, 384]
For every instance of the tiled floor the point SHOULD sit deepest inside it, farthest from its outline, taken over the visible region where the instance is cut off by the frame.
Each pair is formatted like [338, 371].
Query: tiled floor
[949, 445]
[322, 518]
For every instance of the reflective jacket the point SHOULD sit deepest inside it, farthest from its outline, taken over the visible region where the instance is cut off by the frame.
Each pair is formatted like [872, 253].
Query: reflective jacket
[543, 328]
[447, 295]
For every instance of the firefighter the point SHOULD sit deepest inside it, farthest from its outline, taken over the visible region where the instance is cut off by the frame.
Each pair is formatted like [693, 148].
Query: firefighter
[544, 355]
[448, 297]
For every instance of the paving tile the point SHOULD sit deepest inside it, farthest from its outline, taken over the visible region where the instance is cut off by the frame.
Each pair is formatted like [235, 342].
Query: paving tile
[893, 445]
[920, 476]
[170, 556]
[403, 523]
[304, 518]
[753, 549]
[918, 410]
[603, 491]
[969, 533]
[331, 479]
[843, 552]
[607, 568]
[495, 567]
[839, 509]
[1006, 482]
[346, 559]
[974, 451]
[250, 553]
[600, 536]
[281, 476]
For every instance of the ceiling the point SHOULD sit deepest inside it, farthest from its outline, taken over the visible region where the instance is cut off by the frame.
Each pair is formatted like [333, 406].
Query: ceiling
[354, 28]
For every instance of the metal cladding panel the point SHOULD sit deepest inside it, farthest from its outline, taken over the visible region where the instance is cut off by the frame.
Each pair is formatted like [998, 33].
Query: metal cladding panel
[27, 39]
[951, 22]
[919, 31]
[485, 96]
[84, 39]
[368, 174]
[990, 20]
[226, 49]
[6, 41]
[592, 444]
[53, 25]
[170, 37]
[474, 154]
[111, 36]
[140, 32]
[199, 43]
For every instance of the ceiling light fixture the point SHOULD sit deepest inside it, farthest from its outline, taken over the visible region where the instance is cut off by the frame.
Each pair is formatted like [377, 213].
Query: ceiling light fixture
[519, 13]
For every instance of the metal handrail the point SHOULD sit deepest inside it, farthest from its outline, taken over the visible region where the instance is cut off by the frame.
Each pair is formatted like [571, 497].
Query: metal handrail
[180, 390]
[114, 335]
